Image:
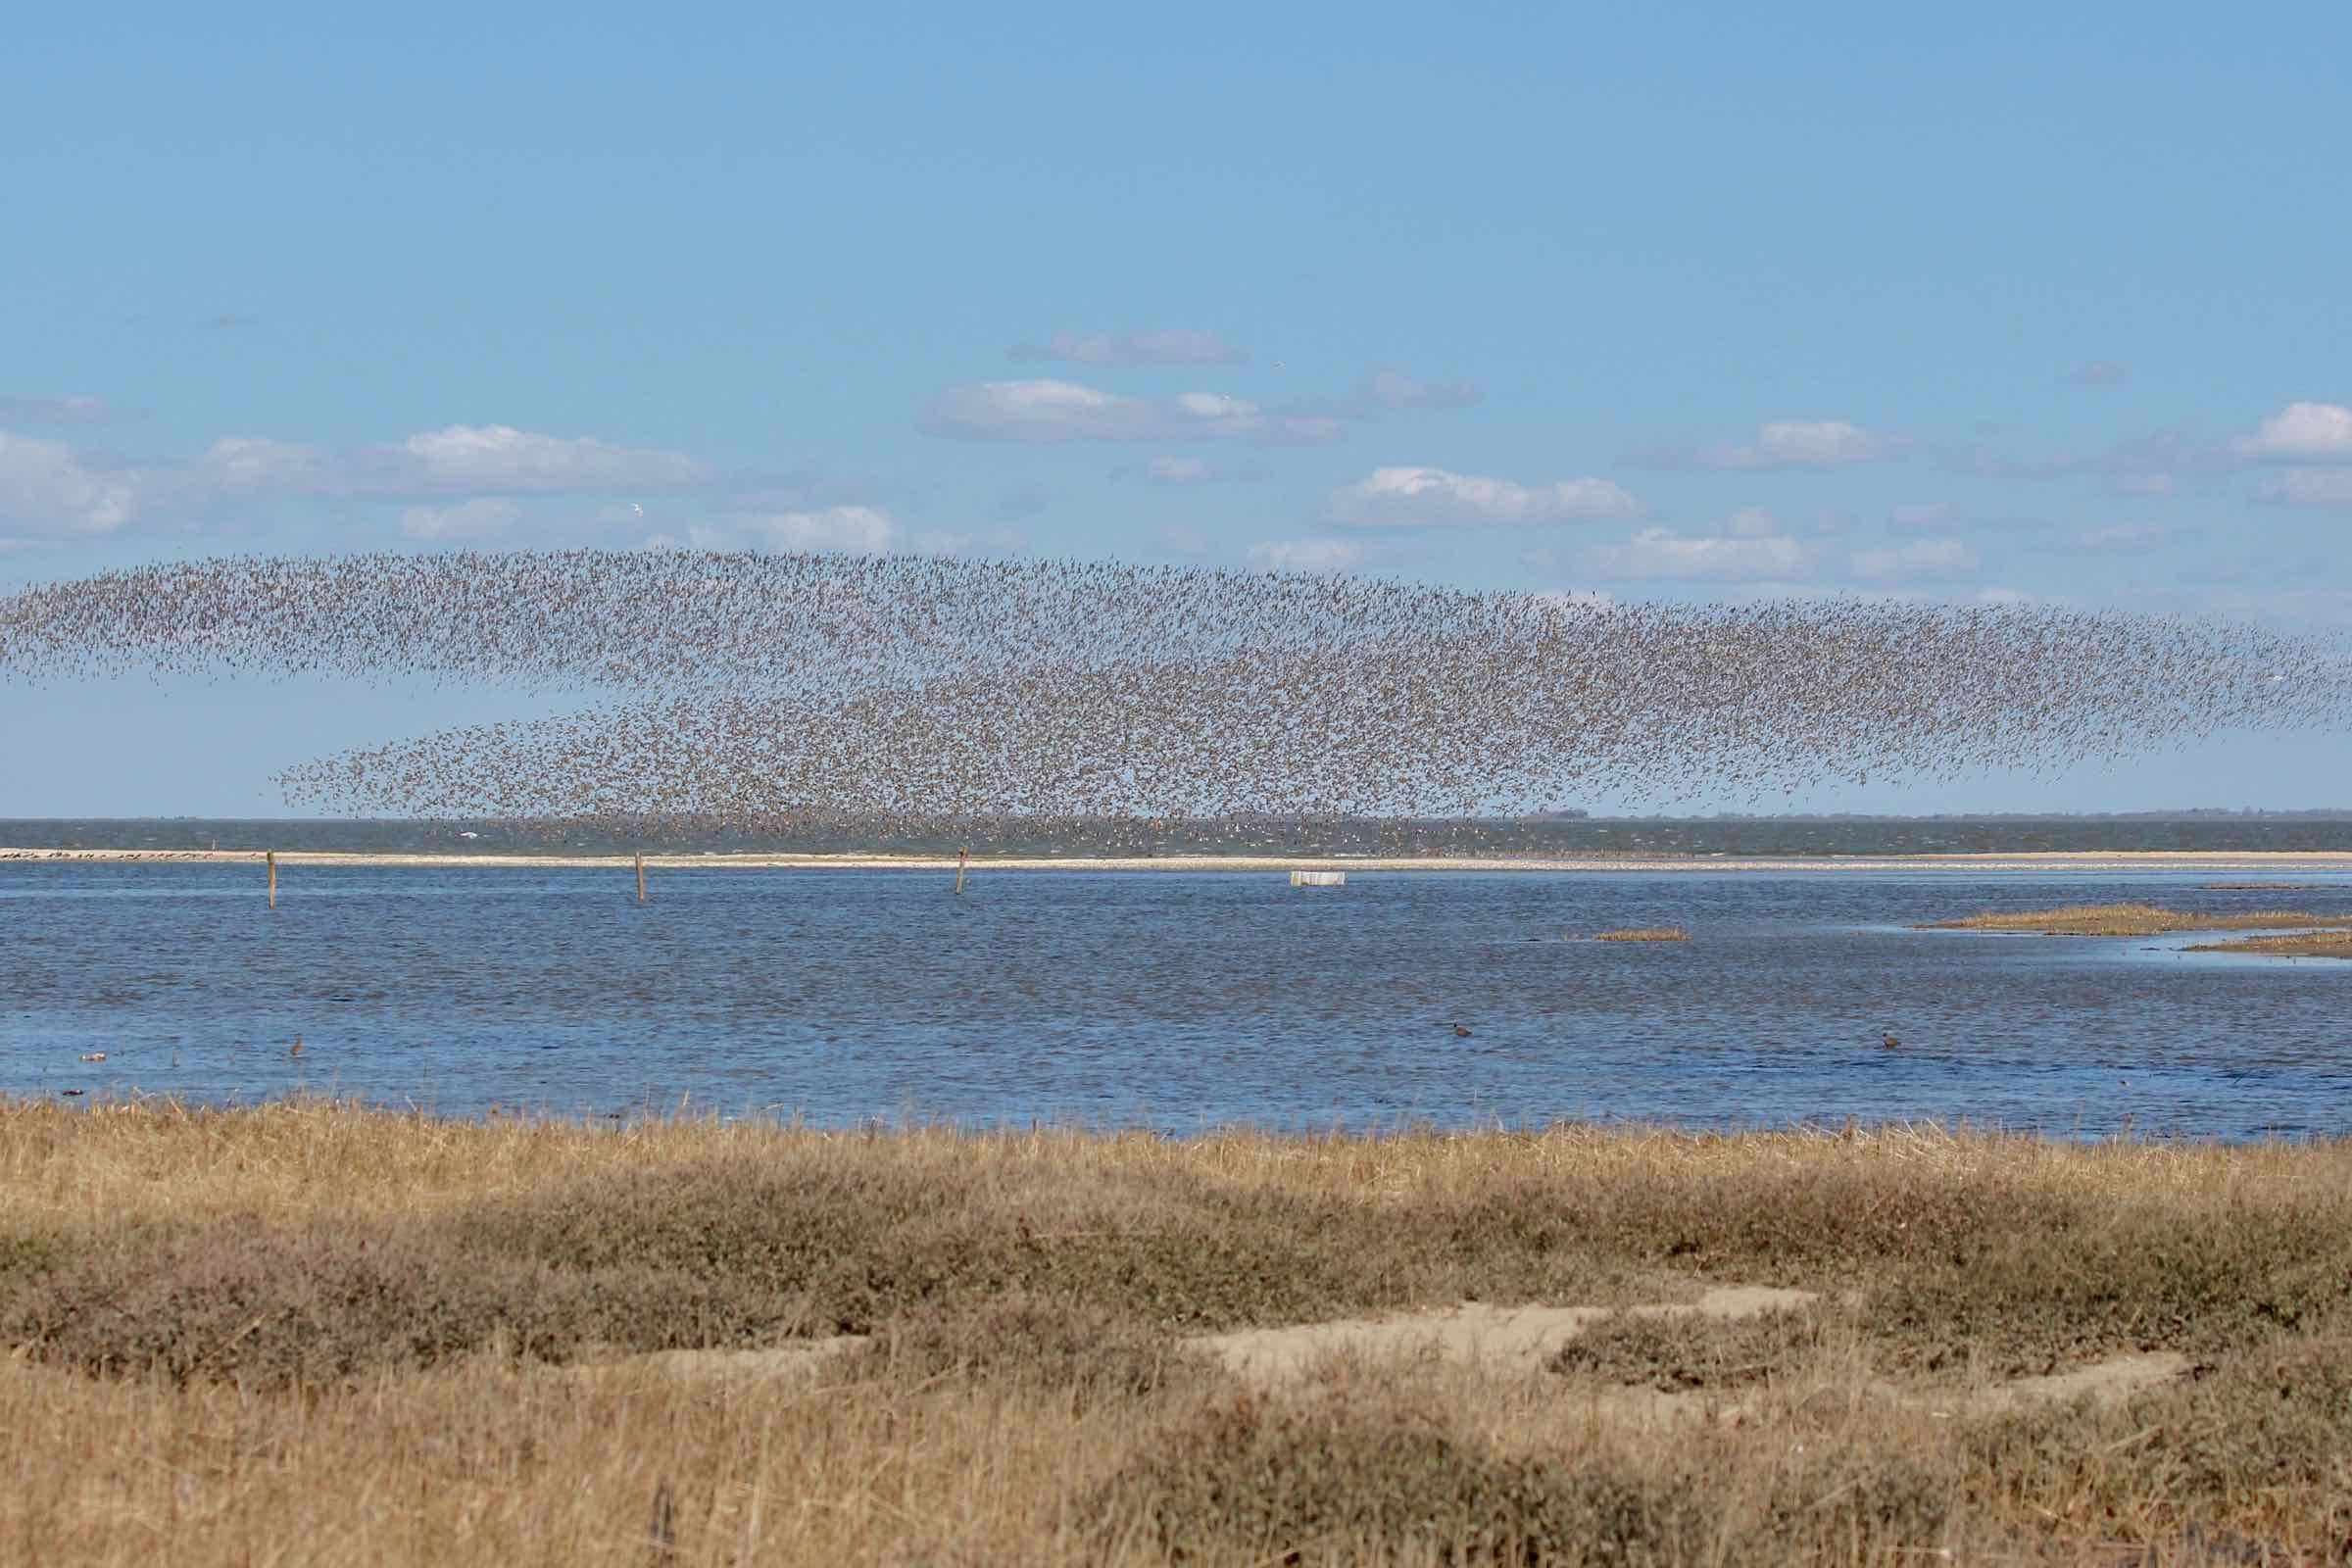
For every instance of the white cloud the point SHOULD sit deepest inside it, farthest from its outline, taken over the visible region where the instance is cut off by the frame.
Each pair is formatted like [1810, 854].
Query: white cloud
[500, 458]
[1782, 444]
[1921, 558]
[59, 410]
[1658, 553]
[1751, 523]
[241, 465]
[2306, 432]
[2310, 487]
[849, 529]
[1048, 410]
[482, 517]
[48, 488]
[1305, 555]
[863, 529]
[1412, 497]
[1166, 346]
[57, 489]
[1178, 540]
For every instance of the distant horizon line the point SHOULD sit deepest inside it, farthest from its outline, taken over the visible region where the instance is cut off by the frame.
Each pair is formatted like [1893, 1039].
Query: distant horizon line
[2194, 813]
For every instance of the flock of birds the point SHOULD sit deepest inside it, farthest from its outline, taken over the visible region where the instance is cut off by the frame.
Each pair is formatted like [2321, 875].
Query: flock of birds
[914, 696]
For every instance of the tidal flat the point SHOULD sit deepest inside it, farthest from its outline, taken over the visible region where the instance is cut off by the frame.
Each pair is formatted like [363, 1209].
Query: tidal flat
[315, 1332]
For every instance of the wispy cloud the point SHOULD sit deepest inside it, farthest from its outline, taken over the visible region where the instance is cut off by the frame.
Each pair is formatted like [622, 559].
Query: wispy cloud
[482, 517]
[2150, 465]
[1915, 561]
[500, 458]
[62, 410]
[53, 488]
[1423, 497]
[1923, 515]
[1780, 444]
[1165, 346]
[2100, 372]
[1382, 391]
[2120, 539]
[1306, 555]
[1659, 554]
[846, 529]
[1171, 470]
[1048, 410]
[2310, 487]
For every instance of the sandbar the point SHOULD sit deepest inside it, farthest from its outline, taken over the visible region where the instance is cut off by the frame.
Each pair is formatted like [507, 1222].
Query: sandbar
[2061, 861]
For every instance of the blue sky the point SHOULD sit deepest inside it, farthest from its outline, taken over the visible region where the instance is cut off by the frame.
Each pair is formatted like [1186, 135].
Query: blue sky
[1689, 302]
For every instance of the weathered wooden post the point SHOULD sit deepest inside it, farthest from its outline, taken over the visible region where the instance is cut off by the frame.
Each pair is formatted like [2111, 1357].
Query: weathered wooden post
[640, 876]
[271, 856]
[964, 858]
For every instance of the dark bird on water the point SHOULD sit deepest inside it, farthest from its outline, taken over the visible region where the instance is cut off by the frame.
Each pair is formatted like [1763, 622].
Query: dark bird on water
[1888, 1042]
[1460, 1033]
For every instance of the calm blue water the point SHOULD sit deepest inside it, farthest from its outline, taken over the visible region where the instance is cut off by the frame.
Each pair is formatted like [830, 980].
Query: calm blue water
[1167, 1000]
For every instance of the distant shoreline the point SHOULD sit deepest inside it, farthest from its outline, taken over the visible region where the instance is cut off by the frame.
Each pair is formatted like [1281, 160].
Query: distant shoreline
[2202, 860]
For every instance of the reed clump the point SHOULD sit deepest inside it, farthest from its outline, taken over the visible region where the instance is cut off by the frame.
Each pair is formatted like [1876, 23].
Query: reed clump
[315, 1332]
[1645, 933]
[2132, 920]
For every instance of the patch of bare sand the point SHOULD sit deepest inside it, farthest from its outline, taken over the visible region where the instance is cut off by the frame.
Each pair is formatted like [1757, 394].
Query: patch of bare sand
[1509, 1338]
[2112, 1379]
[2105, 1382]
[1500, 1339]
[1472, 1331]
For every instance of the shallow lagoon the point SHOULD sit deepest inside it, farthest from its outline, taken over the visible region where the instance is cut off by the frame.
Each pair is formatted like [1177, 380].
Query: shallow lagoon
[1169, 999]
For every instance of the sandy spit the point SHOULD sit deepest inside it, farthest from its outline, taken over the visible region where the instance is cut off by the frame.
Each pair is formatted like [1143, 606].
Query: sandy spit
[2321, 860]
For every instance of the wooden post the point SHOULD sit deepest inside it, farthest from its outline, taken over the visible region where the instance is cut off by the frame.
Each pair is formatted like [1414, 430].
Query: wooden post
[271, 856]
[962, 856]
[640, 876]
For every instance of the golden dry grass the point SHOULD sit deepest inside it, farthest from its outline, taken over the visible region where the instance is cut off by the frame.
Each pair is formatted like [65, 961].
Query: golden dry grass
[1026, 1396]
[2131, 920]
[2308, 945]
[1645, 933]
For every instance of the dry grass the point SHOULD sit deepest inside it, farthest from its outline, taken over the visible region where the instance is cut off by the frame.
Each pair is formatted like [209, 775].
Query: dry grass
[1645, 933]
[313, 1334]
[2313, 945]
[2132, 920]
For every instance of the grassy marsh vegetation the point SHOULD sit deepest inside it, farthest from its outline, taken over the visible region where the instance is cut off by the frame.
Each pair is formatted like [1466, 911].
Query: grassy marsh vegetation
[1646, 933]
[2132, 920]
[2305, 945]
[313, 1333]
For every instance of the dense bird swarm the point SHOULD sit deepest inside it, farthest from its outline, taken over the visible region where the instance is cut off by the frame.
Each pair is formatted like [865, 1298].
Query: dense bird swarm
[764, 692]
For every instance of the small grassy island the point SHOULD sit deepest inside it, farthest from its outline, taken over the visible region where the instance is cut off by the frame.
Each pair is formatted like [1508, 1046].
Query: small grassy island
[2133, 920]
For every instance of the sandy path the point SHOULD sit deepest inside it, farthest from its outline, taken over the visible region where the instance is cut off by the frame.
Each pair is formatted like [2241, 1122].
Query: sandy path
[1471, 1331]
[1513, 1339]
[2197, 861]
